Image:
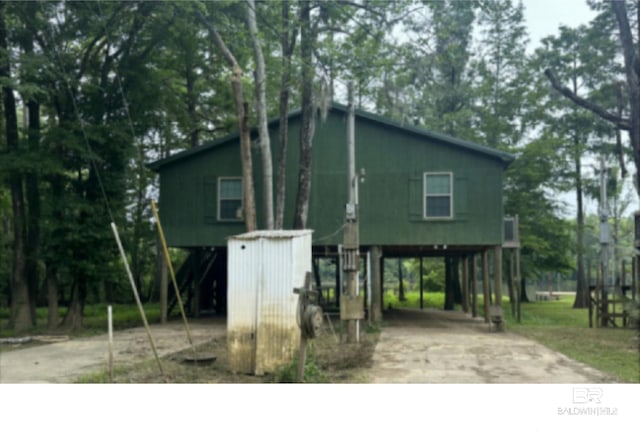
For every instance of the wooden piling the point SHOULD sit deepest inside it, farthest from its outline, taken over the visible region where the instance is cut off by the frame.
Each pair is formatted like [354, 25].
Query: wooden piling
[376, 289]
[465, 284]
[474, 287]
[498, 275]
[485, 284]
[511, 283]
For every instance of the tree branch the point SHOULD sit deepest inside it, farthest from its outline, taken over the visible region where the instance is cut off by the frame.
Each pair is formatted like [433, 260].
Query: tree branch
[620, 122]
[220, 43]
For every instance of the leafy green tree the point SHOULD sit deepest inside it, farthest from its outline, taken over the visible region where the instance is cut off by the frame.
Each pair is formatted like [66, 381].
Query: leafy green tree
[613, 25]
[21, 312]
[580, 57]
[501, 75]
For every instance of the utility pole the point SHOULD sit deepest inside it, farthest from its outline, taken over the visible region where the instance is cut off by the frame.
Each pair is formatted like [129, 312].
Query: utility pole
[604, 225]
[604, 242]
[351, 304]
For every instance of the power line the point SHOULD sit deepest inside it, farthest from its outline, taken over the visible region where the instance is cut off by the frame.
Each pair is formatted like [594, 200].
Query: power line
[91, 152]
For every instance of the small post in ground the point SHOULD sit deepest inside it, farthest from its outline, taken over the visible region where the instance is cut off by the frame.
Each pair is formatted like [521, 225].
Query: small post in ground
[110, 330]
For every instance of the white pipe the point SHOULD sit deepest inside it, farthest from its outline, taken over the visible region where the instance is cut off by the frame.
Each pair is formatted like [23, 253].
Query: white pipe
[110, 326]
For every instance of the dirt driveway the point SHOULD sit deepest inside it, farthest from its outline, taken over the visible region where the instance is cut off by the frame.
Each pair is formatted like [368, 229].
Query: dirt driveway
[427, 346]
[65, 362]
[433, 346]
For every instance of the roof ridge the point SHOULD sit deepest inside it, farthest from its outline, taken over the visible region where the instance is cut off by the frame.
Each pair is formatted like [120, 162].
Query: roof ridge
[505, 157]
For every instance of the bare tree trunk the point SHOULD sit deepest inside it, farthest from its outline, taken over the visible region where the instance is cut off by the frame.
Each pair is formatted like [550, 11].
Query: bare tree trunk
[245, 153]
[21, 318]
[32, 190]
[288, 44]
[33, 214]
[582, 291]
[263, 129]
[52, 298]
[308, 119]
[241, 113]
[632, 70]
[74, 316]
[194, 134]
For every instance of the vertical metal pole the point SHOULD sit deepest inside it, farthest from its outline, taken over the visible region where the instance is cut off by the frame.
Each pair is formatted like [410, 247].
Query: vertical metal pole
[351, 230]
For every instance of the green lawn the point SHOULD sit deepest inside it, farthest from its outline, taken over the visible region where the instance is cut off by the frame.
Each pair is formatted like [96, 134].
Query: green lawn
[558, 326]
[95, 318]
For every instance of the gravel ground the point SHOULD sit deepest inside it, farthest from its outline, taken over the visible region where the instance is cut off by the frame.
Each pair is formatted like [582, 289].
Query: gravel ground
[428, 346]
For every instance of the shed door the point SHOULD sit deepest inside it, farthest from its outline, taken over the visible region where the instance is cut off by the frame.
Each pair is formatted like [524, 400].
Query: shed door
[243, 274]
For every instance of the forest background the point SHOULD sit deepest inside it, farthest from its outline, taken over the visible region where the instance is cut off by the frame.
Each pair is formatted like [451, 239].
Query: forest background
[93, 91]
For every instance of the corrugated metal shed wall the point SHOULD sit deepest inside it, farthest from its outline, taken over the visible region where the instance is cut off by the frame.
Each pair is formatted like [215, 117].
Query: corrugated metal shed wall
[241, 304]
[264, 268]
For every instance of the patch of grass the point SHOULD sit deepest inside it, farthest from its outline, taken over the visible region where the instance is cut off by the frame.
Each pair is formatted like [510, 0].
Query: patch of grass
[312, 372]
[94, 319]
[101, 377]
[558, 326]
[412, 300]
[124, 316]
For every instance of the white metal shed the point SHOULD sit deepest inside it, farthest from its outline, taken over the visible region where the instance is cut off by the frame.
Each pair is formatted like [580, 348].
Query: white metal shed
[263, 269]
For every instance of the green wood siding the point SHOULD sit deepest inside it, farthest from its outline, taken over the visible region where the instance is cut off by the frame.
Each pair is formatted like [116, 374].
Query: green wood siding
[391, 198]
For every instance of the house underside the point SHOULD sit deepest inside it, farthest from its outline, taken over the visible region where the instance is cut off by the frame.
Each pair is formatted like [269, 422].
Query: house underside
[471, 271]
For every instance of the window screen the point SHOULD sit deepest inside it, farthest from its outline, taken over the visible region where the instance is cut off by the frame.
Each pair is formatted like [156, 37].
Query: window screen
[438, 195]
[230, 198]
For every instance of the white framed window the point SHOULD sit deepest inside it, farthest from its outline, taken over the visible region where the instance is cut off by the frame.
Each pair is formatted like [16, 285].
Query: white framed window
[230, 199]
[438, 195]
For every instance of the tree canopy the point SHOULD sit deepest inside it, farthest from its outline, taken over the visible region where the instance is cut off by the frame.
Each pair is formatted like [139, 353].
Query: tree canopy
[93, 91]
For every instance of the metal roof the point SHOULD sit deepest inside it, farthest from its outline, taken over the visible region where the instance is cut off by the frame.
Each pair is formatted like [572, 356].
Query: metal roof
[271, 234]
[506, 158]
